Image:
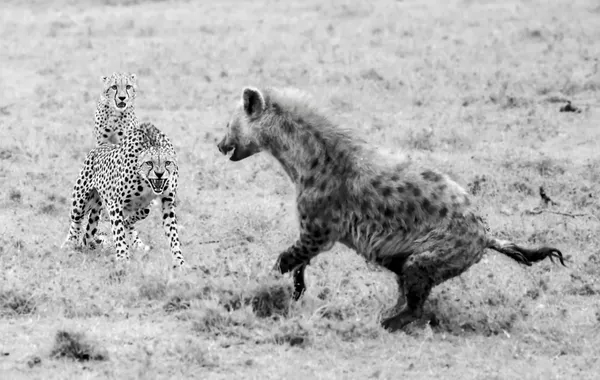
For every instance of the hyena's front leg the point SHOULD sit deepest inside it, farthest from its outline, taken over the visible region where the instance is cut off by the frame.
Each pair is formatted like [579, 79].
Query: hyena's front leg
[312, 241]
[115, 213]
[299, 284]
[170, 226]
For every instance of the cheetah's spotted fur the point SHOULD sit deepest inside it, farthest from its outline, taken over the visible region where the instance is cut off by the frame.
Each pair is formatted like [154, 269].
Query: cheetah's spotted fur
[115, 110]
[125, 178]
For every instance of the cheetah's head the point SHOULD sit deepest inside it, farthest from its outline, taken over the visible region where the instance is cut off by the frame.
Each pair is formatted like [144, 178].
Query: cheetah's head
[156, 167]
[244, 127]
[119, 90]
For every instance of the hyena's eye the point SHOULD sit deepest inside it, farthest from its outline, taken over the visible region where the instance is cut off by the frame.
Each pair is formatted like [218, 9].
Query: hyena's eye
[114, 87]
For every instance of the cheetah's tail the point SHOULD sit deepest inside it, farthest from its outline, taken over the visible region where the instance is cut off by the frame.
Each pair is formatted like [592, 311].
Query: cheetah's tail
[522, 255]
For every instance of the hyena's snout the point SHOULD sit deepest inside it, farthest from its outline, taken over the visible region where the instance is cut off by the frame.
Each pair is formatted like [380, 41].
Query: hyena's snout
[225, 146]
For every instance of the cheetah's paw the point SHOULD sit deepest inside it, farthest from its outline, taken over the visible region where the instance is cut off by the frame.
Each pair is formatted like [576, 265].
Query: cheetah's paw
[98, 241]
[70, 244]
[140, 245]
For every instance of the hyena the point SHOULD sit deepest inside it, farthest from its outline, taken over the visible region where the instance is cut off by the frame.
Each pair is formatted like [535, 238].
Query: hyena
[419, 224]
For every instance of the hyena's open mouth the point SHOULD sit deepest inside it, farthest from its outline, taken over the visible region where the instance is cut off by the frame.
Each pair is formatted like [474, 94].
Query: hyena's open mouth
[230, 152]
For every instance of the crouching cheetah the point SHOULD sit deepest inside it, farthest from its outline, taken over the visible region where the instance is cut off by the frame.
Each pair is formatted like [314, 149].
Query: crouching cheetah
[115, 110]
[124, 179]
[419, 224]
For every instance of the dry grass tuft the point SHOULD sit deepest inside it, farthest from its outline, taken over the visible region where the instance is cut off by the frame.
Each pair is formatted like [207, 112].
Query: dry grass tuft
[271, 299]
[176, 303]
[75, 346]
[293, 333]
[214, 320]
[15, 195]
[14, 302]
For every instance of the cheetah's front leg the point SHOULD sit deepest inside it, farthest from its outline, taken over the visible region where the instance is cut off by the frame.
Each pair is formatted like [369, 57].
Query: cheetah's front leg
[81, 204]
[115, 214]
[170, 226]
[90, 240]
[130, 221]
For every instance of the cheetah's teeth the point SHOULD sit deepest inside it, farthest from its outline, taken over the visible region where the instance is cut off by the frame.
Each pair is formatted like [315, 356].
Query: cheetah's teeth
[158, 185]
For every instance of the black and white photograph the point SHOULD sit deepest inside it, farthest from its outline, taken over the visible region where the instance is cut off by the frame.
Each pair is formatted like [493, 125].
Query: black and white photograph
[300, 189]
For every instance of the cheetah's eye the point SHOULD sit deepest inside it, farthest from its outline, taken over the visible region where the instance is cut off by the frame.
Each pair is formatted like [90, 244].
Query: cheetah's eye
[167, 163]
[114, 87]
[128, 87]
[149, 163]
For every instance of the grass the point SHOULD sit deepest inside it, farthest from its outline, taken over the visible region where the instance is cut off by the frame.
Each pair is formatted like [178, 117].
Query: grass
[473, 88]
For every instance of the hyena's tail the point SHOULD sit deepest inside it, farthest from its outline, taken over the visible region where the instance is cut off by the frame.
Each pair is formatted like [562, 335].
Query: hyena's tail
[525, 256]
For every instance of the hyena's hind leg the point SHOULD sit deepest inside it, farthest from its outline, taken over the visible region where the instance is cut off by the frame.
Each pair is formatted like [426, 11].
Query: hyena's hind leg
[415, 282]
[446, 253]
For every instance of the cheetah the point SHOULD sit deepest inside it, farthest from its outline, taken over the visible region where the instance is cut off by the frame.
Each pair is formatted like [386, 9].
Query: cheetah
[115, 110]
[115, 113]
[417, 223]
[124, 179]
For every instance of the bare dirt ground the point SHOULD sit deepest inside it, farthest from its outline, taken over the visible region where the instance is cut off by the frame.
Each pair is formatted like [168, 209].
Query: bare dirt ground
[473, 88]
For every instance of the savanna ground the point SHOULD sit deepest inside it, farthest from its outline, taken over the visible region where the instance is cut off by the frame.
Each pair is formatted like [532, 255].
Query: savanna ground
[473, 88]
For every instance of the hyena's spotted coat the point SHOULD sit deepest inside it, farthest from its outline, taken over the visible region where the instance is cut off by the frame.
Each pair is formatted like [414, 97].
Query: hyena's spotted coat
[417, 223]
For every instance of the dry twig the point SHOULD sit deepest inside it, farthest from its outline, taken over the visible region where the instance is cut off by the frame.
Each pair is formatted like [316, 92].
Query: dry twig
[539, 211]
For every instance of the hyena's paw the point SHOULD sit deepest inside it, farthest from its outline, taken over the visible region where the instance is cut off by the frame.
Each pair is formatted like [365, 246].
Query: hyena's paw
[285, 263]
[406, 317]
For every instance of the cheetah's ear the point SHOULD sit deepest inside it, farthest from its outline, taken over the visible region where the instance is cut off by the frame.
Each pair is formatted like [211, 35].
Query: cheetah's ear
[253, 101]
[133, 77]
[103, 78]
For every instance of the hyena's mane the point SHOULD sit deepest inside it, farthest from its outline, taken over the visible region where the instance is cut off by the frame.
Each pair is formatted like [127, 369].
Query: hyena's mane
[302, 120]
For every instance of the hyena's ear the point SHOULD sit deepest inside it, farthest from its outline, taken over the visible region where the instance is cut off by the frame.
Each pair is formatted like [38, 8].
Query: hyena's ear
[253, 101]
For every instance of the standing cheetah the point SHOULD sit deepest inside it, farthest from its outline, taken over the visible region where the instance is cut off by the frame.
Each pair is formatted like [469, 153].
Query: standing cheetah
[115, 110]
[419, 224]
[115, 113]
[125, 178]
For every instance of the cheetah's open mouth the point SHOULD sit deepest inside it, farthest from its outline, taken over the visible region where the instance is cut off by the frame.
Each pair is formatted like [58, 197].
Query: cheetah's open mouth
[121, 105]
[158, 185]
